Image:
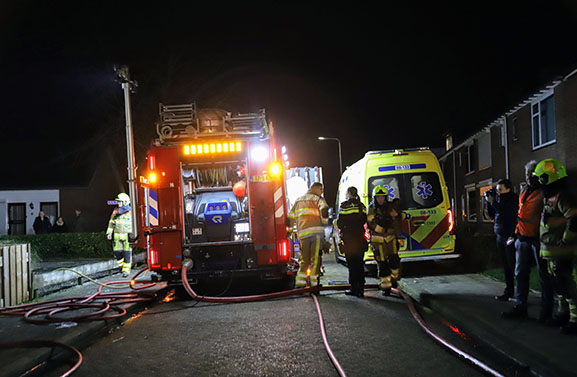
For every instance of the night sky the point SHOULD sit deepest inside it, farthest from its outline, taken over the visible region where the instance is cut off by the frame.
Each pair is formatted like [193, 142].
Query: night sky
[385, 78]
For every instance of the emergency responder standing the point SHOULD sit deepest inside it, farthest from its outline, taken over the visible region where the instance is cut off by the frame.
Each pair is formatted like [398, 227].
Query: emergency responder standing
[527, 250]
[119, 228]
[558, 236]
[310, 213]
[383, 240]
[351, 223]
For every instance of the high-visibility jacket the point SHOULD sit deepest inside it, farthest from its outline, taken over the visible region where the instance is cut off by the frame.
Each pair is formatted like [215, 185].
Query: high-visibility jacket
[310, 213]
[558, 232]
[120, 223]
[530, 208]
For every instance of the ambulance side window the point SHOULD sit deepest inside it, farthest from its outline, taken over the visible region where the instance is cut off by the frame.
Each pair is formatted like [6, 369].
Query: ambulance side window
[425, 190]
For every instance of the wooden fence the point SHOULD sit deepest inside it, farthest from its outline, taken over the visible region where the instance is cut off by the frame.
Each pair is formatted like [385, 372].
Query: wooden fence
[15, 274]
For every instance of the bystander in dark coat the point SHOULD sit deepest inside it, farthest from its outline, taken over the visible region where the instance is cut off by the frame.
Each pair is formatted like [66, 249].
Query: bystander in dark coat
[503, 207]
[42, 224]
[59, 226]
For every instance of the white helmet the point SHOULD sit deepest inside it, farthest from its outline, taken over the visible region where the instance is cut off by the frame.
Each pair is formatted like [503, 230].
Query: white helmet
[123, 198]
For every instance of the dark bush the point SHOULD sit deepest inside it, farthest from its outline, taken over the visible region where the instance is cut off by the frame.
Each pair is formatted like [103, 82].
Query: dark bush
[478, 250]
[65, 245]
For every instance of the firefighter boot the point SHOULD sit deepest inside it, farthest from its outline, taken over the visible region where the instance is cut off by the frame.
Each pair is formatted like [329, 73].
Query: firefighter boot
[385, 285]
[126, 267]
[562, 316]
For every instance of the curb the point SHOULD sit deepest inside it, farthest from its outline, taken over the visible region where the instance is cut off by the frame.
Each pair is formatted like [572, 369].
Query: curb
[484, 334]
[45, 283]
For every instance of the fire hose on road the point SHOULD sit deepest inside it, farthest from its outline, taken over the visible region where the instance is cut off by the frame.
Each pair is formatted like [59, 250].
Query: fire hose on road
[101, 303]
[312, 290]
[110, 301]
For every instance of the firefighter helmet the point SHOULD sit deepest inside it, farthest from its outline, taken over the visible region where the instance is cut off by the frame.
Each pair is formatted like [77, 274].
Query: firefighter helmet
[549, 171]
[122, 197]
[380, 190]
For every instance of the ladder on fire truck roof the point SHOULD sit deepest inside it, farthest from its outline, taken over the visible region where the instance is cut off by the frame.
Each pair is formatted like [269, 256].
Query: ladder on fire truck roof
[185, 122]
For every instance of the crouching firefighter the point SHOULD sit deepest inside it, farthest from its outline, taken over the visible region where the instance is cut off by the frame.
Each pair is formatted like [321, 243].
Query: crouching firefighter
[558, 236]
[119, 228]
[310, 213]
[383, 239]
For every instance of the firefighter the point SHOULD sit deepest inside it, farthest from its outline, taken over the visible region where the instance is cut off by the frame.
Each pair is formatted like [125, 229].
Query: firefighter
[558, 236]
[383, 239]
[119, 228]
[310, 213]
[351, 223]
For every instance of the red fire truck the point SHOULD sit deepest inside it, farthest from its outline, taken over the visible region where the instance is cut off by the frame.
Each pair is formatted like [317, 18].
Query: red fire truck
[214, 193]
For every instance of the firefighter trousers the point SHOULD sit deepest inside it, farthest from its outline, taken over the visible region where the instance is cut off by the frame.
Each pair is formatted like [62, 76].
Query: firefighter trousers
[122, 252]
[309, 263]
[561, 270]
[388, 262]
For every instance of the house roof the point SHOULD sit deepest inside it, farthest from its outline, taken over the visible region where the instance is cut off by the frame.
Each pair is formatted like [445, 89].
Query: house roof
[500, 119]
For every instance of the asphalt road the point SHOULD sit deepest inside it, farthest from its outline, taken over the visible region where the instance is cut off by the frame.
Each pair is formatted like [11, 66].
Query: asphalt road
[374, 336]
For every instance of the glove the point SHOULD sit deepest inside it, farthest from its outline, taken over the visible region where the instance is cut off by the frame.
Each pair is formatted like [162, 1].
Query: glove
[109, 236]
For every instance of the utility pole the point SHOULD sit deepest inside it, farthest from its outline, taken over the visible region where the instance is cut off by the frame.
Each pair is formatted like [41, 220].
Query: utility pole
[129, 86]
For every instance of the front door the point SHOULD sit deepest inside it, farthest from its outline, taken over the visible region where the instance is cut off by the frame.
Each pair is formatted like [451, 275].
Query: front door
[16, 218]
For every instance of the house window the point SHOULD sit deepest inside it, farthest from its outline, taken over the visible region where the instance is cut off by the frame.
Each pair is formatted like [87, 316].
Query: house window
[50, 210]
[471, 212]
[484, 151]
[515, 127]
[543, 122]
[470, 158]
[483, 203]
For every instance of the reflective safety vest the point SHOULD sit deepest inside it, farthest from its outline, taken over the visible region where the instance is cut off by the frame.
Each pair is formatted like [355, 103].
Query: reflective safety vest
[310, 213]
[530, 208]
[120, 223]
[558, 232]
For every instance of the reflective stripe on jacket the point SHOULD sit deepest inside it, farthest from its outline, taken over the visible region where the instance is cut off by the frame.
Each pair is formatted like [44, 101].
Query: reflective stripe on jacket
[310, 213]
[120, 223]
[530, 208]
[558, 232]
[380, 222]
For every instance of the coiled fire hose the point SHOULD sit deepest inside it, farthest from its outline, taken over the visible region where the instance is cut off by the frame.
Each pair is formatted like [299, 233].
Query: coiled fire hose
[50, 309]
[311, 290]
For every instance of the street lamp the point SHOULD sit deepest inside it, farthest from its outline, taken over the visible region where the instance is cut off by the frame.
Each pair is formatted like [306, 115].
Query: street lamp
[340, 156]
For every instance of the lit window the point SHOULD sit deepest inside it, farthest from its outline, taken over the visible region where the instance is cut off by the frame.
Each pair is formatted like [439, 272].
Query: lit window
[543, 122]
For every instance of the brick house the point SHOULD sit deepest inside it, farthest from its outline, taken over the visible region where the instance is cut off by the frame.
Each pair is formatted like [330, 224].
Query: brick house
[542, 126]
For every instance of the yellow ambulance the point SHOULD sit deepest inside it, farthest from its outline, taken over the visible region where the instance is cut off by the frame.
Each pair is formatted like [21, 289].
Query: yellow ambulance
[414, 176]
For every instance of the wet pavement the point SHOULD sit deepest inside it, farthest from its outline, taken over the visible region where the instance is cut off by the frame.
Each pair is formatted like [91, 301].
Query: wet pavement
[371, 336]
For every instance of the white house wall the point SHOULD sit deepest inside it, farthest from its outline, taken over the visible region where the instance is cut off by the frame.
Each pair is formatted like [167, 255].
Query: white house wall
[32, 198]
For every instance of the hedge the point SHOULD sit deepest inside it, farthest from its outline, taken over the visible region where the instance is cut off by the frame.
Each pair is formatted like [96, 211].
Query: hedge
[64, 245]
[478, 250]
